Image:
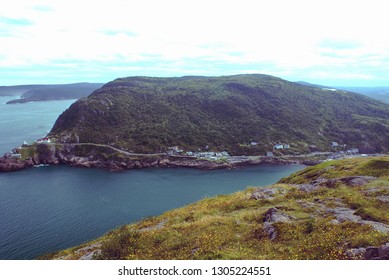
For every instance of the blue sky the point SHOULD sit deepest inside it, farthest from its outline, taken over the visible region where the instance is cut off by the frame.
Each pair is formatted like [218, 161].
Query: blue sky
[325, 42]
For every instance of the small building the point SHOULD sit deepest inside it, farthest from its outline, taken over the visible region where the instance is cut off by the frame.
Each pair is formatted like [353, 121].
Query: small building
[286, 146]
[334, 144]
[225, 154]
[278, 146]
[253, 143]
[353, 151]
[269, 154]
[189, 153]
[16, 156]
[44, 140]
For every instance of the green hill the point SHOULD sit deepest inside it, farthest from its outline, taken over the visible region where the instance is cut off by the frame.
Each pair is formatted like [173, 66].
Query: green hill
[335, 210]
[144, 114]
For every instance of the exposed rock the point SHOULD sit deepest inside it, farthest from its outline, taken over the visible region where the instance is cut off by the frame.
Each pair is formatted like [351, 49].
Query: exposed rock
[307, 187]
[270, 230]
[47, 154]
[89, 251]
[356, 253]
[369, 253]
[383, 252]
[350, 181]
[90, 255]
[266, 193]
[273, 215]
[10, 164]
[354, 181]
[381, 227]
[343, 214]
[383, 198]
[375, 190]
[158, 226]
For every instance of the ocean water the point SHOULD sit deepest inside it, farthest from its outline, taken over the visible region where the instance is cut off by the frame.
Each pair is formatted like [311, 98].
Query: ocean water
[28, 121]
[52, 208]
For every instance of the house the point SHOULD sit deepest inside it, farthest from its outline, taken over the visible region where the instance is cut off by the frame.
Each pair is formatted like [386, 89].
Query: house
[16, 156]
[253, 143]
[172, 150]
[207, 154]
[334, 144]
[225, 154]
[44, 140]
[353, 151]
[281, 146]
[269, 154]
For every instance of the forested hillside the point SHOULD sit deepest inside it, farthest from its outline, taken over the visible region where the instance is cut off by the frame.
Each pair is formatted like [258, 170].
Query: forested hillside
[145, 114]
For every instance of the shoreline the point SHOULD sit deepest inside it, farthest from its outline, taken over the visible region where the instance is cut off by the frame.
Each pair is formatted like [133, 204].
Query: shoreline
[112, 159]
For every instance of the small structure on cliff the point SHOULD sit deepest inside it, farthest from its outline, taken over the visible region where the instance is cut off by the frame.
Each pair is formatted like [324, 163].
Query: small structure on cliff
[44, 140]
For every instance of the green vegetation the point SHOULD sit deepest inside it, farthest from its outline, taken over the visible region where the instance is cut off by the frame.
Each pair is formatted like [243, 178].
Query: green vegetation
[144, 114]
[233, 226]
[28, 151]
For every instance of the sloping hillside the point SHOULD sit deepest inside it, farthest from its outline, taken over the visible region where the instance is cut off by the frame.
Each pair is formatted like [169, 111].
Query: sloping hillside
[335, 210]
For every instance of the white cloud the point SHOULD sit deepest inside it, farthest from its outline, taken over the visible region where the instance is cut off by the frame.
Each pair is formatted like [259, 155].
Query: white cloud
[290, 37]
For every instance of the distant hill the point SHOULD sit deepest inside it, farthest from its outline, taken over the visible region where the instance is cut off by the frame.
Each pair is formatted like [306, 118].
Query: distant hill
[50, 92]
[144, 114]
[17, 90]
[379, 93]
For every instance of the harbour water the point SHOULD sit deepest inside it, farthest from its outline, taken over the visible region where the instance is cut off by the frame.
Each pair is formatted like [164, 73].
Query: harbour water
[51, 208]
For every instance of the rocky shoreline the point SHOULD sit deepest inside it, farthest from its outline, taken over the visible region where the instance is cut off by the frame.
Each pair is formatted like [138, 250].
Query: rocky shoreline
[109, 159]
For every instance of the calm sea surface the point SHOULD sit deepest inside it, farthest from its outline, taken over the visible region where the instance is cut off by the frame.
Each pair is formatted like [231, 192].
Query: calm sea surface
[51, 208]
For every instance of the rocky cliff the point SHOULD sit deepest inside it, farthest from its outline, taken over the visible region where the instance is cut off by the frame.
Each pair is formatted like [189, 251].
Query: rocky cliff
[113, 159]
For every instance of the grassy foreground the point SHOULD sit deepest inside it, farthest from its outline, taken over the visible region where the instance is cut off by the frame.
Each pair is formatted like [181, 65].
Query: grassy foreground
[317, 213]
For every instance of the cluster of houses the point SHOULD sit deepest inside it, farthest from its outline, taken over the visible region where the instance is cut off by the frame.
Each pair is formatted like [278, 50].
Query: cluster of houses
[341, 154]
[209, 155]
[206, 155]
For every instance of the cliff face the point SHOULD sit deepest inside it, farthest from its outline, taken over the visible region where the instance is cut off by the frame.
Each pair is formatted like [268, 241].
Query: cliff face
[148, 115]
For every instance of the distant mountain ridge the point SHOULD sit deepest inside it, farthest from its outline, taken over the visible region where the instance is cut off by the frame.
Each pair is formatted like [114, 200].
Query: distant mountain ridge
[147, 115]
[379, 93]
[31, 93]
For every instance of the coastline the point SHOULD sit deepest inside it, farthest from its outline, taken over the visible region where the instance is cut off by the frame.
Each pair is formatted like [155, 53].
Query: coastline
[112, 159]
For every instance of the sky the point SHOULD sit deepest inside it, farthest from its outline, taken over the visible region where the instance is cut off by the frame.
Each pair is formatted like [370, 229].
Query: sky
[339, 43]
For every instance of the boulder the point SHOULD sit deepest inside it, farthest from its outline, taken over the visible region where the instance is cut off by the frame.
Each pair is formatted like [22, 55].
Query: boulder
[356, 253]
[265, 193]
[273, 215]
[354, 181]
